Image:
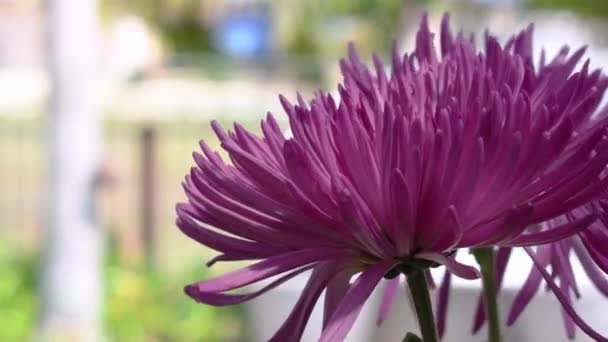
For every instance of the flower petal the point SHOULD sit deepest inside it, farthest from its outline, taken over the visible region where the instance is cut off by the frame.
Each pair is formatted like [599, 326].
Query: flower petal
[336, 289]
[455, 267]
[388, 298]
[563, 299]
[595, 274]
[552, 234]
[600, 259]
[442, 302]
[347, 312]
[527, 291]
[222, 299]
[218, 241]
[264, 269]
[293, 327]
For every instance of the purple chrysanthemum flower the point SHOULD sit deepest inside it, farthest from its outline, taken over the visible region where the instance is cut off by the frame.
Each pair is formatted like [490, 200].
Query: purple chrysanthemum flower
[589, 245]
[462, 150]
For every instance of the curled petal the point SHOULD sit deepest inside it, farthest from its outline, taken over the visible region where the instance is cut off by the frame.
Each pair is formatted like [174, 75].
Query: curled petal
[455, 267]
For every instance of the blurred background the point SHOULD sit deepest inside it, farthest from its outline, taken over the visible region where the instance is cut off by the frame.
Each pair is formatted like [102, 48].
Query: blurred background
[101, 104]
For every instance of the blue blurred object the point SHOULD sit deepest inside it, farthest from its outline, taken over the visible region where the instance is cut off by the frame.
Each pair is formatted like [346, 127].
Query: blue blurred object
[244, 34]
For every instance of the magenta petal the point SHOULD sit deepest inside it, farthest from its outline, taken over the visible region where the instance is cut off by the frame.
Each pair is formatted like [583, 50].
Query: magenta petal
[563, 299]
[601, 260]
[425, 51]
[442, 302]
[221, 299]
[568, 321]
[388, 298]
[561, 265]
[447, 40]
[514, 221]
[215, 240]
[455, 267]
[480, 315]
[552, 234]
[293, 327]
[595, 274]
[264, 269]
[336, 289]
[348, 311]
[528, 290]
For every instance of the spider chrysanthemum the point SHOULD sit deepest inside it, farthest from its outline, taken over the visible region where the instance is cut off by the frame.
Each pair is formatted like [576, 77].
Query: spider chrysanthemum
[459, 149]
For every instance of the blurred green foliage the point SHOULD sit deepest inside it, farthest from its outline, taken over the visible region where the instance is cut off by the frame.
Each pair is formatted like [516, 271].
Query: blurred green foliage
[178, 22]
[382, 16]
[186, 35]
[17, 300]
[596, 8]
[181, 24]
[141, 305]
[147, 305]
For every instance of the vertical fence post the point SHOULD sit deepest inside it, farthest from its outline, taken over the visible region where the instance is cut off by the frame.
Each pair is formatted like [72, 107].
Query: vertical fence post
[148, 139]
[71, 298]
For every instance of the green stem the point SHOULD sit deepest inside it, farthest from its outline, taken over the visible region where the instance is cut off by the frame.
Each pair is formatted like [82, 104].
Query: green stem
[411, 337]
[485, 258]
[424, 308]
